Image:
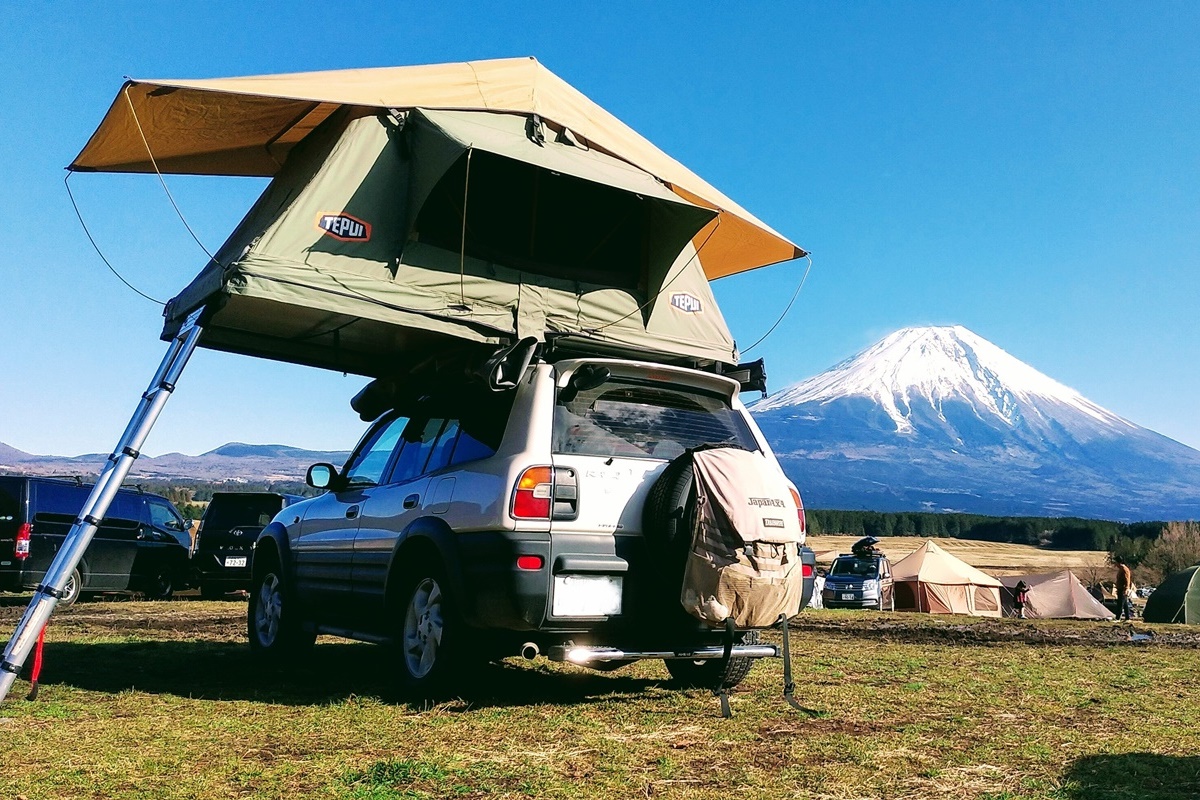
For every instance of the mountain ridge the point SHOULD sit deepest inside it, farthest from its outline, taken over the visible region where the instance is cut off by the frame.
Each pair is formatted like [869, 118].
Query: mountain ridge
[938, 418]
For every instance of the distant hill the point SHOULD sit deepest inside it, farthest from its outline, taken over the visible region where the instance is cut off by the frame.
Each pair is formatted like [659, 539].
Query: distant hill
[233, 461]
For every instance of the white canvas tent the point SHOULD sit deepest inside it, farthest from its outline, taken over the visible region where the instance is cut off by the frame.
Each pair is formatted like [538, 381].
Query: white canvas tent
[931, 580]
[1054, 595]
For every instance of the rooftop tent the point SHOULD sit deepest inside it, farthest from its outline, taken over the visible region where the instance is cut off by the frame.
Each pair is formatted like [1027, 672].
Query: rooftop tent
[1177, 599]
[358, 253]
[249, 125]
[931, 580]
[1054, 595]
[576, 228]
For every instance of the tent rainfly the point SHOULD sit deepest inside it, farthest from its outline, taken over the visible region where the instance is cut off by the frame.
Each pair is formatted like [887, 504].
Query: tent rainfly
[931, 580]
[485, 202]
[1177, 599]
[1054, 595]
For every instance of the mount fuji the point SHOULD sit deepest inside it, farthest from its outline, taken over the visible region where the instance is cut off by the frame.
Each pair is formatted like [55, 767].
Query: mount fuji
[940, 419]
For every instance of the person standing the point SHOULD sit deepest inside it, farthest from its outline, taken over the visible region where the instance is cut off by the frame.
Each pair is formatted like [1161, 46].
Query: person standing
[1021, 598]
[1124, 584]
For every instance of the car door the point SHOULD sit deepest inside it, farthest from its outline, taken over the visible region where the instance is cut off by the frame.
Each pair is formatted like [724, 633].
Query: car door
[389, 509]
[323, 552]
[161, 552]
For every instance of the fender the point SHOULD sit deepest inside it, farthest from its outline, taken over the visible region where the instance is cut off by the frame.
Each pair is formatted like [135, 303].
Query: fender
[435, 532]
[277, 533]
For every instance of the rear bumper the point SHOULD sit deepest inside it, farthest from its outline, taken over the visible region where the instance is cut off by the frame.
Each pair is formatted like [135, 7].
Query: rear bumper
[210, 567]
[15, 579]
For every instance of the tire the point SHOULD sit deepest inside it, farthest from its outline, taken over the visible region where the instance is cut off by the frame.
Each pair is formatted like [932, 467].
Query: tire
[430, 638]
[71, 592]
[272, 623]
[159, 587]
[707, 673]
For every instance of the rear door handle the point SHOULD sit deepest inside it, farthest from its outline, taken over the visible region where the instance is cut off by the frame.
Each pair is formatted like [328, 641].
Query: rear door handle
[412, 500]
[352, 512]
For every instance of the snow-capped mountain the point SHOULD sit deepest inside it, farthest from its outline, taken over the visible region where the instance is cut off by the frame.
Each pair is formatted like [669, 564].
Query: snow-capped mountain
[939, 418]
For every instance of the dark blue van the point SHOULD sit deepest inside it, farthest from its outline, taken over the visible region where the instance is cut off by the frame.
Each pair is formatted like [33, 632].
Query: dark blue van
[142, 545]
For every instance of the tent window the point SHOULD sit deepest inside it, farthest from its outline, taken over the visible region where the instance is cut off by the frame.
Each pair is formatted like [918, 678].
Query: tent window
[529, 218]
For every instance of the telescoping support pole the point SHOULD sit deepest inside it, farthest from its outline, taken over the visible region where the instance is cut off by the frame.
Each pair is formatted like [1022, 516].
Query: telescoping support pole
[128, 449]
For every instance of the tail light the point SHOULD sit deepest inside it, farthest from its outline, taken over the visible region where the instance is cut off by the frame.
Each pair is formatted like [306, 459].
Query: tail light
[807, 571]
[799, 511]
[546, 493]
[21, 546]
[530, 562]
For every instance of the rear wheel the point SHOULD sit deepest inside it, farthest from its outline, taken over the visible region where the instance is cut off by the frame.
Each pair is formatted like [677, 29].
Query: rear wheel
[430, 639]
[272, 624]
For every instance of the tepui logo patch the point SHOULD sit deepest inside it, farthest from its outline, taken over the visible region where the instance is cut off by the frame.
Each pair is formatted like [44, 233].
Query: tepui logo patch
[344, 227]
[687, 303]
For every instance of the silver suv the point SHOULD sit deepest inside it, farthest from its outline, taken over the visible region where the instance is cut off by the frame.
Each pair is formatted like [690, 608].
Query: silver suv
[470, 525]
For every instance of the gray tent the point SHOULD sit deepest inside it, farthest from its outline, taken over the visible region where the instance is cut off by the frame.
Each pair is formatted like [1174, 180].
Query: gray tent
[1054, 595]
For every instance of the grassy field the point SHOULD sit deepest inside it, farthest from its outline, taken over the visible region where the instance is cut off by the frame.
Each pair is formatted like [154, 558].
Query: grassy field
[998, 558]
[161, 700]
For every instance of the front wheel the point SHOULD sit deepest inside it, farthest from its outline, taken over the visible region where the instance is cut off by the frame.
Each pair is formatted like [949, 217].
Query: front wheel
[71, 590]
[271, 622]
[159, 587]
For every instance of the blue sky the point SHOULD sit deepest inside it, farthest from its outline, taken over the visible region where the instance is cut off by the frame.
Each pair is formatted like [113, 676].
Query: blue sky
[1030, 171]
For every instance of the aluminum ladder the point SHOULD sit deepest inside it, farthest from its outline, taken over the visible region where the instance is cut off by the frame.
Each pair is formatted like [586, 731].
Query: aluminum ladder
[50, 591]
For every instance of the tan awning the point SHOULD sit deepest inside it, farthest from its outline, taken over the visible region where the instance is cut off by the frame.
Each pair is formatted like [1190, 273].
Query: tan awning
[247, 126]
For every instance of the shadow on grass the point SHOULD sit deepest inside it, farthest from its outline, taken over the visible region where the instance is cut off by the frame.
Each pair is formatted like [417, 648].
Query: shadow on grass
[329, 673]
[1140, 776]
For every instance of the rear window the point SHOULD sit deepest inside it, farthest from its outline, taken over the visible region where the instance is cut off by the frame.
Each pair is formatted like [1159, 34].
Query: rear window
[226, 512]
[858, 567]
[644, 419]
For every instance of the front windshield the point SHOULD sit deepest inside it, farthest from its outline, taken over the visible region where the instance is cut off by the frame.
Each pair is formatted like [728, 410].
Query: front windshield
[856, 567]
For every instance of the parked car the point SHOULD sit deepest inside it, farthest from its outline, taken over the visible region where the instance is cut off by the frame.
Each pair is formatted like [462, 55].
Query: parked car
[228, 532]
[473, 525]
[860, 579]
[142, 545]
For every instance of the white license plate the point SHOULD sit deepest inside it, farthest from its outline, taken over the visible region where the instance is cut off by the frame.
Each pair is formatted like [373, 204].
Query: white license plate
[587, 595]
[235, 561]
[847, 595]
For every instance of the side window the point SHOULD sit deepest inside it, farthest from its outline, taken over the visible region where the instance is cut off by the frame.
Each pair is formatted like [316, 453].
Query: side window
[469, 448]
[367, 465]
[440, 456]
[419, 440]
[163, 517]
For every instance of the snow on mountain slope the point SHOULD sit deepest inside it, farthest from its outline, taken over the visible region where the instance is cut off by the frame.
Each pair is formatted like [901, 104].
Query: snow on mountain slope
[936, 364]
[941, 419]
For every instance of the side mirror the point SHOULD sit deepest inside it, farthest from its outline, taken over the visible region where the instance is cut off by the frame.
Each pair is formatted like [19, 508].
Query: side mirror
[188, 523]
[321, 476]
[589, 376]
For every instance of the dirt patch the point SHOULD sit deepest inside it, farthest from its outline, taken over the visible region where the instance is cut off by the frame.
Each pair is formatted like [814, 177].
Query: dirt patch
[918, 628]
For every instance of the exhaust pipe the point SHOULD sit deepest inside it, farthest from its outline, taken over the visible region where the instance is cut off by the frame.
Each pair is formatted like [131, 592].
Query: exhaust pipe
[530, 651]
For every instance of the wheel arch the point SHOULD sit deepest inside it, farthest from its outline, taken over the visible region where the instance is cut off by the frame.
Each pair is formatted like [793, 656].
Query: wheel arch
[425, 538]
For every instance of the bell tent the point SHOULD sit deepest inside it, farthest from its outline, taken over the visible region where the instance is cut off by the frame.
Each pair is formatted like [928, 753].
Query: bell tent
[931, 580]
[1177, 599]
[1054, 595]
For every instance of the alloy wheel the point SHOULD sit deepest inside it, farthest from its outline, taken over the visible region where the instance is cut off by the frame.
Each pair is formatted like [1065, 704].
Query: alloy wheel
[268, 610]
[424, 628]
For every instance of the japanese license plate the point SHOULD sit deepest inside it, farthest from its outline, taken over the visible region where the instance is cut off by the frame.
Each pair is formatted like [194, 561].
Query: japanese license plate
[847, 595]
[587, 595]
[235, 561]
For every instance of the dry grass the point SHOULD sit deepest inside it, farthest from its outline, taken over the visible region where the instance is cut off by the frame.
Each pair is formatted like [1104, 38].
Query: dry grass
[162, 700]
[997, 558]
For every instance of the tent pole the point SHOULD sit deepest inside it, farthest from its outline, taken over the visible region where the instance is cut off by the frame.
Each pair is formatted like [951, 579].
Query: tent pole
[96, 506]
